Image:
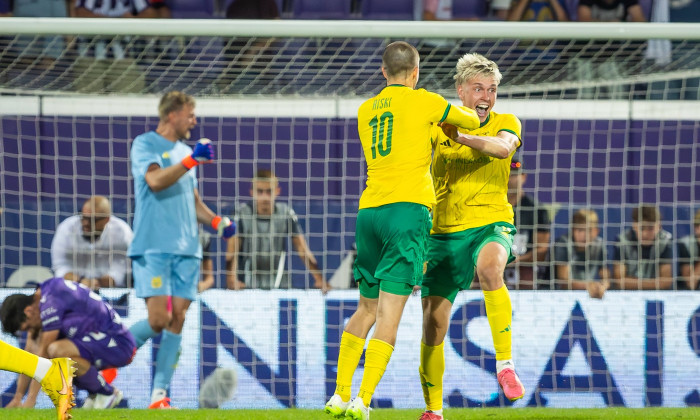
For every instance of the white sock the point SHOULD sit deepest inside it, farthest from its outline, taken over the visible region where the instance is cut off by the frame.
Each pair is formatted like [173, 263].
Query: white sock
[504, 364]
[158, 394]
[42, 368]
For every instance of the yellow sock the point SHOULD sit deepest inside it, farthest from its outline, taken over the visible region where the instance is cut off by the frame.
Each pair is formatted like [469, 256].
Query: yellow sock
[17, 360]
[348, 357]
[376, 358]
[432, 369]
[500, 314]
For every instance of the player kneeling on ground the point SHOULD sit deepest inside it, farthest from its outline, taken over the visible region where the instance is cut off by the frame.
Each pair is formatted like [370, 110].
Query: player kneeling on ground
[68, 320]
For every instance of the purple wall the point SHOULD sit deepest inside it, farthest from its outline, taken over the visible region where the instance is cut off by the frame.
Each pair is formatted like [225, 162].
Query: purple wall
[609, 165]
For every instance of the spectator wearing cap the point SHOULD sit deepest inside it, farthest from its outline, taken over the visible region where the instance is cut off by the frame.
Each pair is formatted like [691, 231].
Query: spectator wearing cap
[689, 257]
[642, 254]
[530, 269]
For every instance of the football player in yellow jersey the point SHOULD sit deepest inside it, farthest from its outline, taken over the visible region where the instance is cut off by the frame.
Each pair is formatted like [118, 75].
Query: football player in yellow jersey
[393, 221]
[472, 228]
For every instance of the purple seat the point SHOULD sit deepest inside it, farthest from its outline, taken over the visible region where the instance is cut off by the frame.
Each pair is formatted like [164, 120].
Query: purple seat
[387, 10]
[321, 9]
[191, 9]
[469, 9]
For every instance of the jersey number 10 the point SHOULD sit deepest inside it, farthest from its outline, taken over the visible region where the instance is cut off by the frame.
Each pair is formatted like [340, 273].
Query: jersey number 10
[378, 139]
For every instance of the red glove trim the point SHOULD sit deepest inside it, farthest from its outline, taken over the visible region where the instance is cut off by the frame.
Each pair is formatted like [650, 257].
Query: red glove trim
[215, 222]
[189, 162]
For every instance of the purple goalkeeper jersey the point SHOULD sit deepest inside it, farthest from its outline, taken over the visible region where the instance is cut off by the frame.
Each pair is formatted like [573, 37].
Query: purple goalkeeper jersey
[75, 311]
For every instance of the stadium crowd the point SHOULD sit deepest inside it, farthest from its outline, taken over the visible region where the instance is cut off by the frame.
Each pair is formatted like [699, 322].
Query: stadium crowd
[642, 257]
[240, 65]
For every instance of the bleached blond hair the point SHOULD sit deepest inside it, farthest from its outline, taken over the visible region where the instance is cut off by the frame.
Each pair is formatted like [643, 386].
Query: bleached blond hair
[472, 65]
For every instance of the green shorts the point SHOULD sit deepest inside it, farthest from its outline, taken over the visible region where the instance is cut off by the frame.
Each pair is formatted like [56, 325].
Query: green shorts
[391, 247]
[452, 257]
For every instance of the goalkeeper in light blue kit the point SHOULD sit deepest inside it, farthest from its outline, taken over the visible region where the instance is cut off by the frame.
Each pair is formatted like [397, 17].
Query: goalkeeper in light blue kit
[165, 251]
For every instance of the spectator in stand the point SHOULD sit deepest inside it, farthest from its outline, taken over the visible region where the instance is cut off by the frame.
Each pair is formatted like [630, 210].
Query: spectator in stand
[689, 257]
[610, 11]
[206, 280]
[604, 64]
[537, 11]
[248, 59]
[161, 9]
[434, 52]
[112, 9]
[531, 243]
[642, 254]
[535, 51]
[108, 64]
[37, 55]
[687, 88]
[580, 257]
[256, 255]
[90, 248]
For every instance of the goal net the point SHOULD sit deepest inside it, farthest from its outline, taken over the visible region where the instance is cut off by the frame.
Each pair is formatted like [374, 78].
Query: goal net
[609, 121]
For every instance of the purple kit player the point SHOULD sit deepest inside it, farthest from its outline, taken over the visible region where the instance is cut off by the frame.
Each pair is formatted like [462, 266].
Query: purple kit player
[71, 321]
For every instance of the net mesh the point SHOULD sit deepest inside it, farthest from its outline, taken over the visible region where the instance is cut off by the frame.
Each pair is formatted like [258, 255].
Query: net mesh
[339, 66]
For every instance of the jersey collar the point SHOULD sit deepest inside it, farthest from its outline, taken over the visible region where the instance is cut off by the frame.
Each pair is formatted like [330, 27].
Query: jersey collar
[488, 117]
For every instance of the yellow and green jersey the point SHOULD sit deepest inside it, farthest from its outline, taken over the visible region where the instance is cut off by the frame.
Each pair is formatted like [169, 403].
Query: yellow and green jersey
[471, 187]
[394, 129]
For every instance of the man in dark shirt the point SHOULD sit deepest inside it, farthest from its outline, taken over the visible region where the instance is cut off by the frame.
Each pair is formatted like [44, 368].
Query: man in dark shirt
[642, 255]
[689, 257]
[257, 255]
[530, 269]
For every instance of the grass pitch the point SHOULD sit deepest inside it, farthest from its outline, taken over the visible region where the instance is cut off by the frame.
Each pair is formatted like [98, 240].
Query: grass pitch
[381, 414]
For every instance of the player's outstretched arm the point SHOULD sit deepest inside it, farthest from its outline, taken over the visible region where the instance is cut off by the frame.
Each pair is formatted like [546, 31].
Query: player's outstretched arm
[462, 117]
[500, 146]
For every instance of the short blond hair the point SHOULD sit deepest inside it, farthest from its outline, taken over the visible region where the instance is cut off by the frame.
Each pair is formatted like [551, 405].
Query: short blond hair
[472, 65]
[584, 217]
[173, 102]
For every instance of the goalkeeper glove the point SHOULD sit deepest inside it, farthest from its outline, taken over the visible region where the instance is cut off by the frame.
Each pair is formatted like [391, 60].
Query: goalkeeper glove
[223, 226]
[203, 152]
